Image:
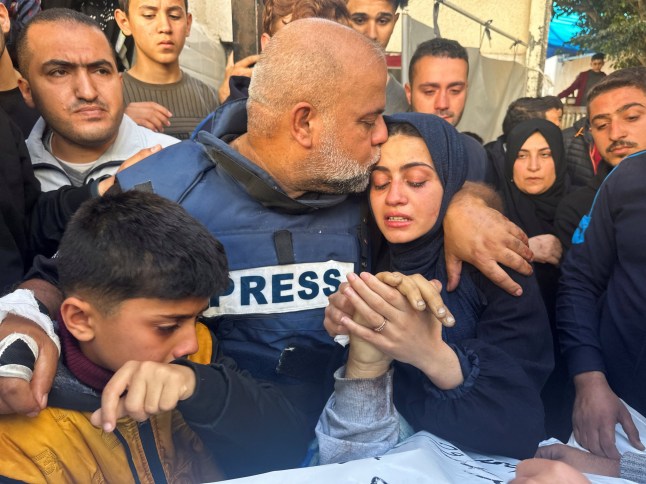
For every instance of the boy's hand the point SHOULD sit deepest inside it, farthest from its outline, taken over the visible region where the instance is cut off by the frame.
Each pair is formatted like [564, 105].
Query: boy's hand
[149, 115]
[151, 387]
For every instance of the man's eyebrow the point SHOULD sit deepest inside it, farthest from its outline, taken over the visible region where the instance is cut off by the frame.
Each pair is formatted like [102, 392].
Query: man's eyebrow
[623, 108]
[626, 107]
[437, 84]
[73, 65]
[376, 112]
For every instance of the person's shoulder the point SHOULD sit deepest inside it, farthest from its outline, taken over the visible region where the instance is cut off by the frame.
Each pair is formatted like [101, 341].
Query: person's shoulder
[580, 197]
[472, 145]
[629, 172]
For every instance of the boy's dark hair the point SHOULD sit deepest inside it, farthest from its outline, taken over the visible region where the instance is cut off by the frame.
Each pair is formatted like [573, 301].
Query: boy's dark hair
[437, 47]
[628, 77]
[553, 102]
[52, 15]
[138, 245]
[399, 4]
[124, 5]
[599, 56]
[275, 10]
[523, 109]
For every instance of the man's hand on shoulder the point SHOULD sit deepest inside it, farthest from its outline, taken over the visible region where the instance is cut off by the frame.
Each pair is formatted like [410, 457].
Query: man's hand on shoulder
[106, 184]
[596, 412]
[28, 397]
[476, 233]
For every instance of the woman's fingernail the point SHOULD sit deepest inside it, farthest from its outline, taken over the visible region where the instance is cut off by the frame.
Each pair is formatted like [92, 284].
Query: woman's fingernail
[441, 311]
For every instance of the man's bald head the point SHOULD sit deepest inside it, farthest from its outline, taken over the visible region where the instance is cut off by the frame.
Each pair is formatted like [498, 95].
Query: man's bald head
[310, 60]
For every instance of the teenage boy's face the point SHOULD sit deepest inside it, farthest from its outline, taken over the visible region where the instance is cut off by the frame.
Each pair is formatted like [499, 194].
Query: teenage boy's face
[597, 65]
[375, 19]
[142, 329]
[158, 27]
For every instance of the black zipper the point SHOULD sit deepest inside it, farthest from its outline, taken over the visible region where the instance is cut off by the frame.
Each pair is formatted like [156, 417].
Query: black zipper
[126, 448]
[150, 450]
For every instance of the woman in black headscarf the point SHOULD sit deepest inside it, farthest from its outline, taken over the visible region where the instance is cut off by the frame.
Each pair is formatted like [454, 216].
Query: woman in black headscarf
[535, 181]
[477, 383]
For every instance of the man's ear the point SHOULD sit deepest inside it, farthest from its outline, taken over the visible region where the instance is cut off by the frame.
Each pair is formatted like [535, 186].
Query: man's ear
[264, 40]
[189, 22]
[122, 21]
[5, 22]
[304, 124]
[408, 92]
[25, 90]
[396, 18]
[78, 317]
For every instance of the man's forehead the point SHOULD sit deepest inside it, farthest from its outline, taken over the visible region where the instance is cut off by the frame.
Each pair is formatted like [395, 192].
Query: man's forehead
[92, 44]
[617, 99]
[134, 4]
[370, 6]
[435, 69]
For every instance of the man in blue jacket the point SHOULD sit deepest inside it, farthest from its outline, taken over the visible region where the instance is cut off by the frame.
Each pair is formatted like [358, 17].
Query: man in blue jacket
[601, 303]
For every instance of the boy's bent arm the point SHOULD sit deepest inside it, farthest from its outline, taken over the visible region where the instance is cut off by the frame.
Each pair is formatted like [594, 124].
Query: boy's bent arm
[249, 426]
[476, 232]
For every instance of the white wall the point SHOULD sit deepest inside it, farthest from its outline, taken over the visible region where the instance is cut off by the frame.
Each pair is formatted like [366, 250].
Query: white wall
[215, 16]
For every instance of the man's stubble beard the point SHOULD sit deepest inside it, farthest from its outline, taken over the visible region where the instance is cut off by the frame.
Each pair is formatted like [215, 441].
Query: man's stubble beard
[334, 171]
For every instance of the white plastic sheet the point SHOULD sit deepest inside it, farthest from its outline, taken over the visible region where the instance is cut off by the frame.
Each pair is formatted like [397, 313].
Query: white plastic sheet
[425, 458]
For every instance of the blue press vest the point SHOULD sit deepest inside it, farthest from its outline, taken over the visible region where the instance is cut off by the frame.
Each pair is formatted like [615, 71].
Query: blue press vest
[285, 256]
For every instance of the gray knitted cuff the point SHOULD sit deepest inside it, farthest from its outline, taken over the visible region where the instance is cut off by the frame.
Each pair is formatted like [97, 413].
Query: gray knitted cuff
[633, 466]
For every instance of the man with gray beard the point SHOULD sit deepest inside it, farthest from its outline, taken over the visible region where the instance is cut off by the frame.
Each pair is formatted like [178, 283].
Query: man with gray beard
[276, 180]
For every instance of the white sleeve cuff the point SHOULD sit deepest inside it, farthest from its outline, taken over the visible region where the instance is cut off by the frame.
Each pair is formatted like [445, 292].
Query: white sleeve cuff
[22, 302]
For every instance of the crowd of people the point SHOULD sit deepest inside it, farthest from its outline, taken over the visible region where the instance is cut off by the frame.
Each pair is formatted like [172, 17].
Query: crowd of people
[179, 259]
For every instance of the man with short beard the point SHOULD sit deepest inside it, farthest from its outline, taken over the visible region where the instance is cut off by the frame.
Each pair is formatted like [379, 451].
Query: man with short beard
[600, 307]
[616, 131]
[70, 75]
